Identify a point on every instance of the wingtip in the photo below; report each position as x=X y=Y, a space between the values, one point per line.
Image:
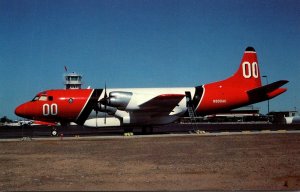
x=285 y=81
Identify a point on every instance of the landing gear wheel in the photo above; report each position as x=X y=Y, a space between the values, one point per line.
x=128 y=132
x=54 y=133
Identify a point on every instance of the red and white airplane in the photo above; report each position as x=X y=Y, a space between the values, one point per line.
x=151 y=106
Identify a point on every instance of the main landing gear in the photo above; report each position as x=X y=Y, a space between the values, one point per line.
x=128 y=132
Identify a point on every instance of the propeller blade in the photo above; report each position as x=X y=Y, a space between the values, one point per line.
x=96 y=118
x=105 y=93
x=106 y=102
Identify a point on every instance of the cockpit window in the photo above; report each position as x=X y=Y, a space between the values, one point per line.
x=35 y=98
x=43 y=98
x=50 y=98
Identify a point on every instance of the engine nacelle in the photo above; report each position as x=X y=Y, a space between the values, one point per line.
x=119 y=99
x=107 y=109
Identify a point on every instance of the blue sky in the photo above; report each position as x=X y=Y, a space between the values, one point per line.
x=128 y=43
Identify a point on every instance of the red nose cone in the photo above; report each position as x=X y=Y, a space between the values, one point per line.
x=21 y=111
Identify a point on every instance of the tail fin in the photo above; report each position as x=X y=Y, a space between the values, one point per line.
x=248 y=74
x=243 y=88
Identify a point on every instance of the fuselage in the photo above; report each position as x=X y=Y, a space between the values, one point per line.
x=79 y=106
x=152 y=106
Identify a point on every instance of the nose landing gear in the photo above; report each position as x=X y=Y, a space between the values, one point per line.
x=54 y=132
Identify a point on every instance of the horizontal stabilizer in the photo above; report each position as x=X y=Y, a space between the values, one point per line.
x=265 y=92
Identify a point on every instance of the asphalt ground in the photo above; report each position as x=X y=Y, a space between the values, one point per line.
x=71 y=131
x=161 y=162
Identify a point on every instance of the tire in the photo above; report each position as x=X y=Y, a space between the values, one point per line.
x=54 y=133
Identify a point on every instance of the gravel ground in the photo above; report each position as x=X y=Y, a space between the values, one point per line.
x=236 y=162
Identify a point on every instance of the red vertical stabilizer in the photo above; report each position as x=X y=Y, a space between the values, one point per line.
x=243 y=88
x=248 y=74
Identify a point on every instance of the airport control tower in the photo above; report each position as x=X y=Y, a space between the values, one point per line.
x=73 y=81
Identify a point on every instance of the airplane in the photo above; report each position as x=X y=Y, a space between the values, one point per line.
x=144 y=107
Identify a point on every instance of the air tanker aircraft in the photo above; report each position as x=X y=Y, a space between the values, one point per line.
x=144 y=107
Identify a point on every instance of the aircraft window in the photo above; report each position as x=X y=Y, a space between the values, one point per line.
x=43 y=98
x=35 y=98
x=50 y=98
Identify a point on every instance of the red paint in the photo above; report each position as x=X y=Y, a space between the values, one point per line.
x=232 y=92
x=43 y=123
x=65 y=106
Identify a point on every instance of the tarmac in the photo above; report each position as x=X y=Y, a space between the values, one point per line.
x=72 y=131
x=261 y=159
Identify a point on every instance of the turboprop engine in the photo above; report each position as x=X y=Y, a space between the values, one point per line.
x=114 y=104
x=116 y=99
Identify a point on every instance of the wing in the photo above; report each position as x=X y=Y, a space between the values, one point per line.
x=162 y=104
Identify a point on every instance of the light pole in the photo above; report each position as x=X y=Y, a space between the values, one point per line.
x=265 y=76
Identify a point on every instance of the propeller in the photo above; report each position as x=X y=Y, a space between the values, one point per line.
x=99 y=106
x=96 y=118
x=105 y=105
